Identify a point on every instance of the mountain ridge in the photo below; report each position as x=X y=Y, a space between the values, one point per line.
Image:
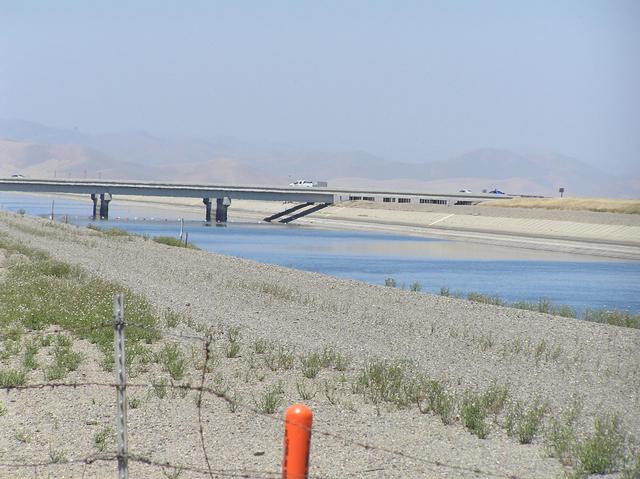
x=34 y=149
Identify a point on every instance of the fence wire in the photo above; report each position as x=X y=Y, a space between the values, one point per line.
x=420 y=463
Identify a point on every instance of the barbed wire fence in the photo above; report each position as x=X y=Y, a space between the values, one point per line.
x=422 y=465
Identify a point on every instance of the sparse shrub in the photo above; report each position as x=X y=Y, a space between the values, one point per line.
x=270 y=400
x=494 y=398
x=57 y=455
x=134 y=402
x=219 y=385
x=539 y=350
x=486 y=299
x=282 y=358
x=331 y=392
x=525 y=424
x=561 y=436
x=12 y=377
x=603 y=451
x=170 y=241
x=104 y=438
x=311 y=365
x=260 y=346
x=614 y=318
x=173 y=361
x=116 y=232
x=565 y=311
x=3 y=409
x=415 y=287
x=390 y=282
x=30 y=351
x=21 y=211
x=383 y=381
x=473 y=414
x=328 y=357
x=233 y=401
x=9 y=349
x=233 y=334
x=305 y=391
x=485 y=341
x=340 y=362
x=171 y=318
x=431 y=396
x=160 y=387
x=232 y=348
x=632 y=469
x=64 y=359
x=113 y=232
x=173 y=472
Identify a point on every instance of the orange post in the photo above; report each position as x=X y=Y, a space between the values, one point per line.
x=297 y=442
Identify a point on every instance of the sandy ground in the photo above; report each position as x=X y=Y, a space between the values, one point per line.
x=466 y=345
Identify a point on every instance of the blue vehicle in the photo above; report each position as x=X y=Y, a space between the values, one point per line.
x=496 y=192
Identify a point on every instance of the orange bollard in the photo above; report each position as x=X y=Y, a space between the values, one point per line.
x=297 y=442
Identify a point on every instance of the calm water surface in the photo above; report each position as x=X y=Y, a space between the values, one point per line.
x=513 y=274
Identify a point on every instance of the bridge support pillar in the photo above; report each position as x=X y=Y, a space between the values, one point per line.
x=105 y=198
x=94 y=198
x=222 y=205
x=207 y=214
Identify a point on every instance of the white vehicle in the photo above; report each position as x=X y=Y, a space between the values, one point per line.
x=302 y=184
x=464 y=191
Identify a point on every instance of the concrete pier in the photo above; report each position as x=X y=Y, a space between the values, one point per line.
x=207 y=204
x=105 y=198
x=94 y=199
x=222 y=205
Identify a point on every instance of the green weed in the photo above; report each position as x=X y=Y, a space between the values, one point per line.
x=603 y=451
x=260 y=346
x=160 y=387
x=383 y=381
x=282 y=358
x=64 y=359
x=170 y=241
x=311 y=365
x=12 y=378
x=104 y=439
x=173 y=360
x=473 y=414
x=305 y=391
x=271 y=399
x=30 y=352
x=524 y=424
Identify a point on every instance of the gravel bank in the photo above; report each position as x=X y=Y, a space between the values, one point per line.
x=467 y=345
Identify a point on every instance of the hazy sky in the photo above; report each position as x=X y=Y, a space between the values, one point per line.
x=405 y=80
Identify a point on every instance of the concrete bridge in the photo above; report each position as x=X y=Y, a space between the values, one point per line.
x=308 y=199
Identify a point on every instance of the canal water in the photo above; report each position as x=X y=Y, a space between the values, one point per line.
x=511 y=273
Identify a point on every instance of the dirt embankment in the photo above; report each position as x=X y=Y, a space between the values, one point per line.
x=381 y=355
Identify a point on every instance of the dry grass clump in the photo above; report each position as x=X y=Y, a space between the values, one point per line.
x=631 y=207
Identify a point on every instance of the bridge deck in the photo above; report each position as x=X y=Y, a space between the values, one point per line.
x=240 y=192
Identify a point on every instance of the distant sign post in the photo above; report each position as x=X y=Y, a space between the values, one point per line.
x=561 y=190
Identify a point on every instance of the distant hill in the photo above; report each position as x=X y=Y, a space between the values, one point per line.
x=38 y=150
